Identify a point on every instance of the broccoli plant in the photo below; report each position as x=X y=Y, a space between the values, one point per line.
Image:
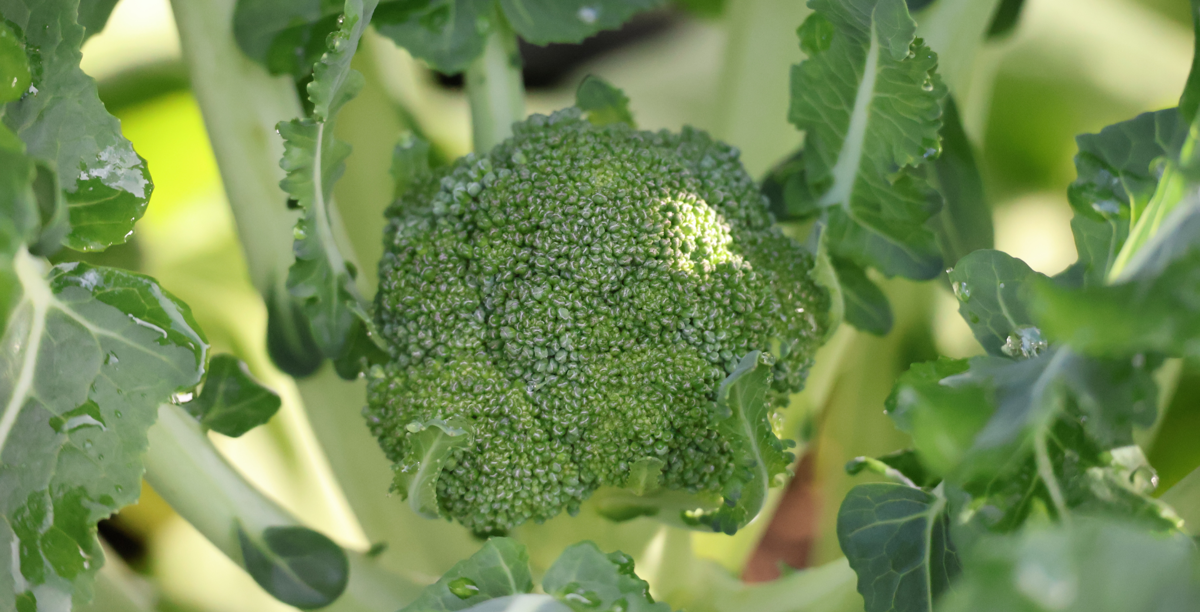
x=585 y=366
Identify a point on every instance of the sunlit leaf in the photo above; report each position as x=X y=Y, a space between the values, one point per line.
x=107 y=184
x=88 y=356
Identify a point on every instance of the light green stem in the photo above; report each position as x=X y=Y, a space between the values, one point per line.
x=494 y=87
x=241 y=105
x=753 y=91
x=191 y=475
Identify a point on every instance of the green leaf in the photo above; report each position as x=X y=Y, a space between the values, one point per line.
x=1147 y=314
x=446 y=34
x=760 y=458
x=94 y=14
x=499 y=569
x=1008 y=14
x=645 y=475
x=1089 y=566
x=290 y=341
x=867 y=307
x=430 y=446
x=897 y=539
x=232 y=402
x=410 y=161
x=870 y=106
x=1040 y=432
x=14 y=66
x=449 y=34
x=1117 y=176
x=296 y=565
x=586 y=579
x=942 y=419
x=88 y=356
x=313 y=159
x=990 y=287
x=603 y=103
x=521 y=603
x=903 y=466
x=285 y=36
x=107 y=184
x=542 y=22
x=965 y=221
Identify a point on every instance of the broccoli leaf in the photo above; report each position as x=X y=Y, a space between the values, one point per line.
x=1088 y=566
x=602 y=102
x=1116 y=178
x=106 y=182
x=897 y=539
x=94 y=14
x=1005 y=20
x=869 y=101
x=15 y=77
x=903 y=466
x=759 y=455
x=499 y=569
x=942 y=419
x=542 y=22
x=496 y=578
x=586 y=579
x=866 y=306
x=447 y=34
x=286 y=36
x=321 y=277
x=296 y=565
x=1036 y=431
x=430 y=446
x=1147 y=314
x=965 y=221
x=88 y=356
x=989 y=286
x=232 y=402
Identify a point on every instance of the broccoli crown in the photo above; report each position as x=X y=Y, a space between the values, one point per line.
x=576 y=296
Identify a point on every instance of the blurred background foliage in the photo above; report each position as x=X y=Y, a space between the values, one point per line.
x=1070 y=66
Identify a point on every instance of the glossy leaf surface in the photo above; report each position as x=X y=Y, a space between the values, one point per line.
x=897 y=539
x=232 y=402
x=88 y=356
x=869 y=100
x=499 y=569
x=296 y=565
x=107 y=184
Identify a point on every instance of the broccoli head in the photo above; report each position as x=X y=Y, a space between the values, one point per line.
x=565 y=308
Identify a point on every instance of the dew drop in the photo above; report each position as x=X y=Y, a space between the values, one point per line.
x=1024 y=342
x=962 y=291
x=463 y=588
x=588 y=14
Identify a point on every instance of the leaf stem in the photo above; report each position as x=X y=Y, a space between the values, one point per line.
x=191 y=475
x=1046 y=473
x=494 y=87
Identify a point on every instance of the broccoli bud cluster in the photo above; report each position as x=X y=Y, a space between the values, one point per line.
x=575 y=297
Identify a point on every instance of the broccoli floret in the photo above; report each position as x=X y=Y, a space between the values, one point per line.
x=575 y=297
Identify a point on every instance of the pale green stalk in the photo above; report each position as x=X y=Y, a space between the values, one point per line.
x=494 y=87
x=191 y=475
x=753 y=90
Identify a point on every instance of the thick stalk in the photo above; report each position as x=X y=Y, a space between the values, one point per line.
x=753 y=91
x=191 y=475
x=241 y=105
x=494 y=87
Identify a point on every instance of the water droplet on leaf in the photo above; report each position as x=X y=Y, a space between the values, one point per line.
x=463 y=588
x=962 y=291
x=1024 y=342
